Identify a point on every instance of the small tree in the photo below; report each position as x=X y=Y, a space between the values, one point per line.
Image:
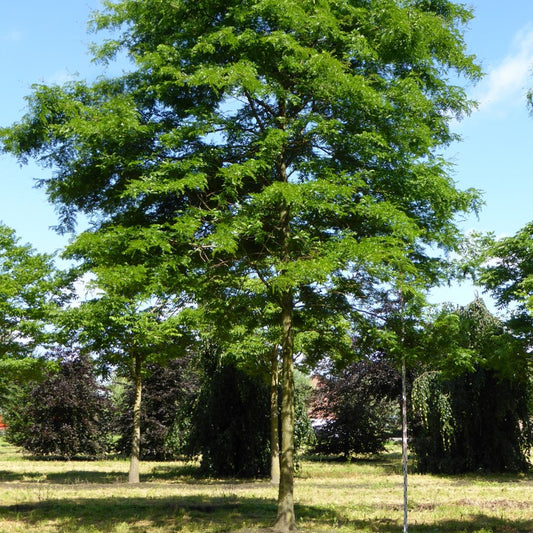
x=67 y=414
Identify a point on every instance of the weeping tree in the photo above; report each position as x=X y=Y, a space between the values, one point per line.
x=288 y=149
x=475 y=414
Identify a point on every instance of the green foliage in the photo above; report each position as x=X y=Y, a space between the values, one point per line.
x=509 y=272
x=357 y=408
x=475 y=416
x=67 y=414
x=230 y=427
x=331 y=110
x=29 y=297
x=304 y=436
x=432 y=407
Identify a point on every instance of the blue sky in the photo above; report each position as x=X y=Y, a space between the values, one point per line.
x=47 y=42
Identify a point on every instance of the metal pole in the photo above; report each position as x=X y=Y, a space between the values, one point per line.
x=404 y=443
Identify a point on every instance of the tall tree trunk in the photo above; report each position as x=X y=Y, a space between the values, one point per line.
x=134 y=476
x=274 y=418
x=285 y=520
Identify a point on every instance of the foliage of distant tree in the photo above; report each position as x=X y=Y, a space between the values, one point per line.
x=479 y=417
x=167 y=392
x=304 y=436
x=507 y=273
x=358 y=408
x=29 y=298
x=67 y=414
x=230 y=428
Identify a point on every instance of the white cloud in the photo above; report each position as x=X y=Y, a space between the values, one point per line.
x=508 y=82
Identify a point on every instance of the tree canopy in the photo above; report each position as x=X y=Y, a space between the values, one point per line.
x=287 y=150
x=30 y=295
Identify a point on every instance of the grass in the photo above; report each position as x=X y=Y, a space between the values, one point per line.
x=362 y=496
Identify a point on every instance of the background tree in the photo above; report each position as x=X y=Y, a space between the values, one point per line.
x=67 y=414
x=358 y=408
x=507 y=273
x=477 y=417
x=167 y=395
x=30 y=295
x=292 y=144
x=230 y=428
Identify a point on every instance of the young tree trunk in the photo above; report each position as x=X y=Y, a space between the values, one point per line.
x=285 y=520
x=134 y=476
x=274 y=418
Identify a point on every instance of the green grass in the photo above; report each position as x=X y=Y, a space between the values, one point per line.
x=362 y=496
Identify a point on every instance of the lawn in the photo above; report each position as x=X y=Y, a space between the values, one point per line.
x=362 y=496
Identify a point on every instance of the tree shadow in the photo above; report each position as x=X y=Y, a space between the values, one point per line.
x=64 y=478
x=184 y=474
x=191 y=473
x=218 y=514
x=387 y=462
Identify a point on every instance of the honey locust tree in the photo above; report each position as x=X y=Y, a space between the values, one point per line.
x=285 y=148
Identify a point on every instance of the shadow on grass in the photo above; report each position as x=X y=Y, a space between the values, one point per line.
x=69 y=477
x=184 y=474
x=217 y=514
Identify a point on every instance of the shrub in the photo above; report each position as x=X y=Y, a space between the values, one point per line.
x=230 y=426
x=66 y=414
x=356 y=409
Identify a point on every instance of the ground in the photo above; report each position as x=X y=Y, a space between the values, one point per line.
x=364 y=496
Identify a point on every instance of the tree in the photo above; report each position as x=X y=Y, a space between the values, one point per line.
x=293 y=145
x=30 y=295
x=507 y=273
x=476 y=416
x=230 y=427
x=67 y=414
x=358 y=408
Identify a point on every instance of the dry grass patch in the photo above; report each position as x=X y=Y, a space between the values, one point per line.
x=363 y=496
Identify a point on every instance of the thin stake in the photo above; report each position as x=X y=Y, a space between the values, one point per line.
x=404 y=443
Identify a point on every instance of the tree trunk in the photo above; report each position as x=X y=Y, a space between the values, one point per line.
x=285 y=520
x=274 y=418
x=134 y=476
